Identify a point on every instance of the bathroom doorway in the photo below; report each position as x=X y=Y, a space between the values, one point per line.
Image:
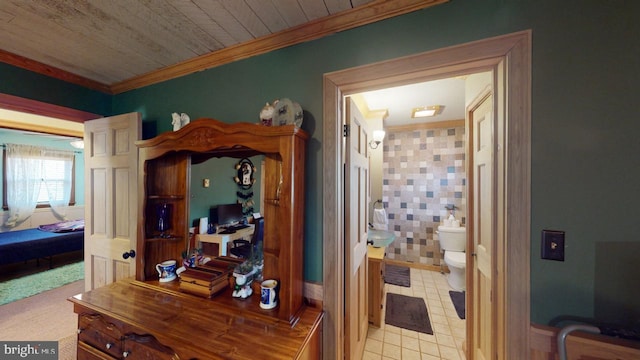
x=423 y=171
x=510 y=339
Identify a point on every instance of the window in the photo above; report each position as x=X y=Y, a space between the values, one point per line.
x=54 y=186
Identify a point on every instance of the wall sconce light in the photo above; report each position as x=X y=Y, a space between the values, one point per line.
x=378 y=135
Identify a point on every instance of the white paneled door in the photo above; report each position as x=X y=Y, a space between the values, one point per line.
x=111 y=183
x=357 y=194
x=484 y=188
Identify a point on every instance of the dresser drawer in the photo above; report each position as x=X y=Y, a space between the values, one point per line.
x=100 y=333
x=146 y=347
x=87 y=352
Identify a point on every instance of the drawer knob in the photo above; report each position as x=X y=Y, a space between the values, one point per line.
x=126 y=354
x=79 y=331
x=109 y=345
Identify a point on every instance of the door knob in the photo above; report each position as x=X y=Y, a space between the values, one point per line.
x=370 y=242
x=130 y=254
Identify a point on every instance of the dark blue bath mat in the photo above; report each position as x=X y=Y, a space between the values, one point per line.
x=397 y=275
x=457 y=297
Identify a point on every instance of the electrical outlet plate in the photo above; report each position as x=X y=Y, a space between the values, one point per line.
x=552 y=245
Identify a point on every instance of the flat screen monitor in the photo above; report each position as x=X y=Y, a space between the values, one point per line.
x=229 y=214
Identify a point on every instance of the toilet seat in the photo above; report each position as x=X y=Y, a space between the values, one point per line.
x=455 y=258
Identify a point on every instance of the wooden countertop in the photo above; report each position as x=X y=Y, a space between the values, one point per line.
x=375 y=252
x=206 y=324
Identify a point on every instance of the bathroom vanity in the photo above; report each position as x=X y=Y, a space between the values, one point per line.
x=376 y=250
x=375 y=283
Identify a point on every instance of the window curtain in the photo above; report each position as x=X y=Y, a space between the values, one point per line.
x=24 y=174
x=59 y=182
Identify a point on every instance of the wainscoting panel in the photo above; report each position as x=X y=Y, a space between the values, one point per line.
x=580 y=346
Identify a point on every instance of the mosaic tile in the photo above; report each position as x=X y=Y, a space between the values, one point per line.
x=423 y=170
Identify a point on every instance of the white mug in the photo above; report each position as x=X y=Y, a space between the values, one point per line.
x=204 y=225
x=268 y=294
x=166 y=270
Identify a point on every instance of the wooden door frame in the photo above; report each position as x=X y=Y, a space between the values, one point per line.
x=514 y=51
x=29 y=106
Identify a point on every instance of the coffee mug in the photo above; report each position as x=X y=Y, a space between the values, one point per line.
x=268 y=297
x=166 y=270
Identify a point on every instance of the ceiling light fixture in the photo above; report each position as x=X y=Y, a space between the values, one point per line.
x=78 y=144
x=426 y=111
x=378 y=136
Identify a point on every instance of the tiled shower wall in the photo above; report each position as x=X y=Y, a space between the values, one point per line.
x=423 y=171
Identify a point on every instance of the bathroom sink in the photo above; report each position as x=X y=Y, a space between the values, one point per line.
x=381 y=238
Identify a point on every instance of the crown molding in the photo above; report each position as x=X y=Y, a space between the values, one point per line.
x=54 y=72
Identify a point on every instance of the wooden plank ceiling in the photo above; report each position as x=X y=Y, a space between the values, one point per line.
x=119 y=45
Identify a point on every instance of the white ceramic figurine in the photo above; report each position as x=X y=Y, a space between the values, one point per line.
x=176 y=121
x=266 y=115
x=184 y=119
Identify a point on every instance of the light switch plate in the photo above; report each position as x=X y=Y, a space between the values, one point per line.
x=552 y=245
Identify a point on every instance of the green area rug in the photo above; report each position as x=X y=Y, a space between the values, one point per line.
x=33 y=284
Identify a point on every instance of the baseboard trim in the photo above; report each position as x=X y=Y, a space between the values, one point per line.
x=417 y=265
x=314 y=293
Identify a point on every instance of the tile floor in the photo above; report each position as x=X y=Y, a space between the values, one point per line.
x=390 y=342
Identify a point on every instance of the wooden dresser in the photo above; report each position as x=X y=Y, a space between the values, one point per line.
x=129 y=319
x=146 y=319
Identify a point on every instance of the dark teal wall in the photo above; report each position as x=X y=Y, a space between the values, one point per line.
x=585 y=75
x=584 y=118
x=19 y=82
x=585 y=163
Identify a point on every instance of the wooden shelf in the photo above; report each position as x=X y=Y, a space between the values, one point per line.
x=274 y=202
x=154 y=239
x=223 y=298
x=165 y=197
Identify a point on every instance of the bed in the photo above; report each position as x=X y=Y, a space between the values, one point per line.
x=43 y=242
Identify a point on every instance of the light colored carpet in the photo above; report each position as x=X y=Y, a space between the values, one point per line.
x=47 y=316
x=67 y=348
x=29 y=285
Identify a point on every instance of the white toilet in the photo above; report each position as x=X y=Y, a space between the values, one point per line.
x=453 y=241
